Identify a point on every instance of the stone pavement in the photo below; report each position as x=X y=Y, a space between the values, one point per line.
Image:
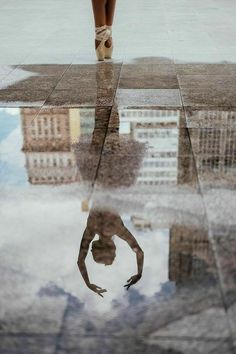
x=142 y=147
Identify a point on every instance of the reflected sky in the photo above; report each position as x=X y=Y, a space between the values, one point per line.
x=50 y=219
x=12 y=169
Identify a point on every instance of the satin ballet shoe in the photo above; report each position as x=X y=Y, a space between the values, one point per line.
x=108 y=50
x=102 y=35
x=100 y=52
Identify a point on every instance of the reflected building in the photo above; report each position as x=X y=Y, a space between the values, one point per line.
x=215 y=149
x=159 y=130
x=167 y=161
x=49 y=137
x=215 y=118
x=48 y=143
x=190 y=253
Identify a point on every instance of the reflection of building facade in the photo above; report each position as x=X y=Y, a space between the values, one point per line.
x=190 y=253
x=48 y=143
x=215 y=149
x=166 y=162
x=215 y=118
x=158 y=129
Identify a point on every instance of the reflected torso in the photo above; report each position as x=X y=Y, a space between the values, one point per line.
x=104 y=223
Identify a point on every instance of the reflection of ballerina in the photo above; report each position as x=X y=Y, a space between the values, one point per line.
x=120 y=163
x=106 y=224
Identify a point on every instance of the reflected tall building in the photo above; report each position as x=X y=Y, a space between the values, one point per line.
x=215 y=149
x=159 y=130
x=167 y=161
x=190 y=253
x=48 y=143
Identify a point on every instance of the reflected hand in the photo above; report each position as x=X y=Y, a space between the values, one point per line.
x=133 y=280
x=97 y=289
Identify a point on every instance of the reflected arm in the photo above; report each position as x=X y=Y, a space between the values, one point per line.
x=84 y=247
x=126 y=235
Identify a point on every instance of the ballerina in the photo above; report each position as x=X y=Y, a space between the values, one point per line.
x=103 y=11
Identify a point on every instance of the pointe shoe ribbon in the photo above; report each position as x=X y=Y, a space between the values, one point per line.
x=101 y=34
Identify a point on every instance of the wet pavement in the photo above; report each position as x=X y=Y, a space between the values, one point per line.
x=129 y=164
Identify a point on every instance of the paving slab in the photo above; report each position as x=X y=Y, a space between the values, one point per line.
x=148 y=97
x=152 y=76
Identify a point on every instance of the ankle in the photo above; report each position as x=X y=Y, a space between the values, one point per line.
x=109 y=30
x=101 y=34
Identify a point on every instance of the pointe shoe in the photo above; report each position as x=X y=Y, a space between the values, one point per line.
x=102 y=35
x=100 y=52
x=108 y=50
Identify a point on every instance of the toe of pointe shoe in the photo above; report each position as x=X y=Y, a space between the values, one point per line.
x=100 y=58
x=100 y=52
x=100 y=55
x=108 y=52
